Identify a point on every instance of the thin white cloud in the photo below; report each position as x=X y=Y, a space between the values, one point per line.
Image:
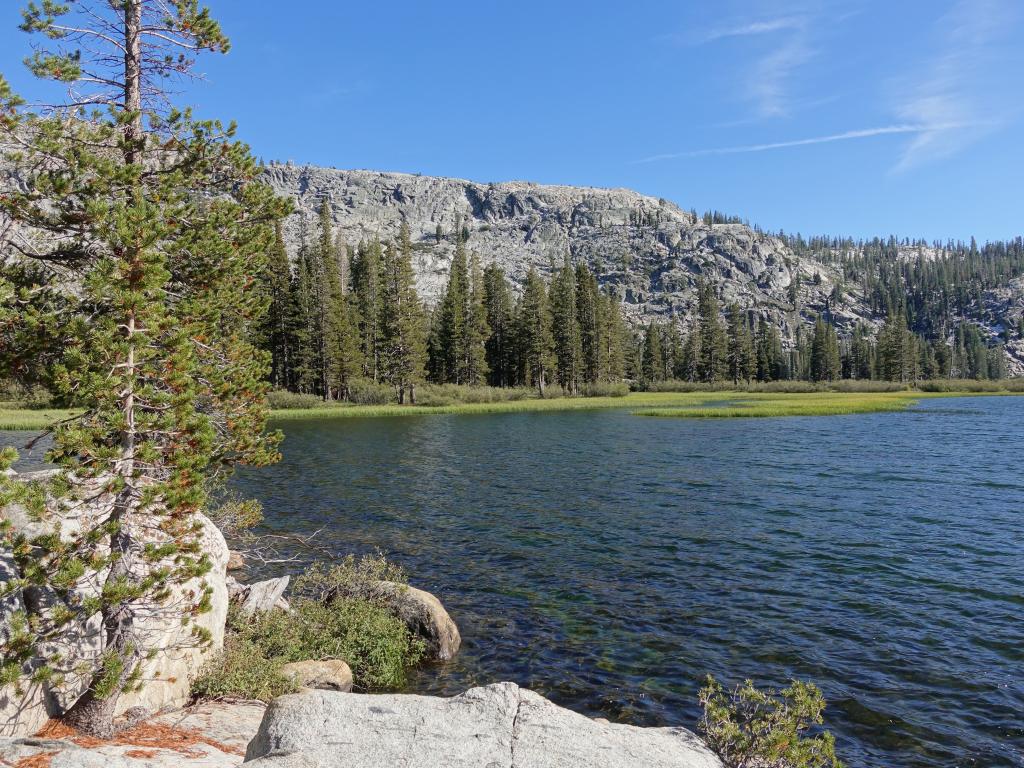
x=865 y=133
x=769 y=81
x=747 y=29
x=954 y=89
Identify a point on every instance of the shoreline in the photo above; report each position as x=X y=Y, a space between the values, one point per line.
x=725 y=404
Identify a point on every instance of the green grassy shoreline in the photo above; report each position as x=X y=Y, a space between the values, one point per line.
x=700 y=405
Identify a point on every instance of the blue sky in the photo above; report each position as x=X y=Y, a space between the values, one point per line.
x=857 y=117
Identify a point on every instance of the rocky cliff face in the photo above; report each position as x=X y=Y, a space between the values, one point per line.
x=648 y=249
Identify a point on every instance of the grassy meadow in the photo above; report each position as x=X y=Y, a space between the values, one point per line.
x=707 y=404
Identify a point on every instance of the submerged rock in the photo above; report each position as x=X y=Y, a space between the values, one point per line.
x=497 y=726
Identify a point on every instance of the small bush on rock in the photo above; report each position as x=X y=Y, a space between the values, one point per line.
x=242 y=671
x=750 y=728
x=322 y=583
x=322 y=624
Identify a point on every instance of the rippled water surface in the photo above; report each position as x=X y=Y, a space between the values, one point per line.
x=611 y=561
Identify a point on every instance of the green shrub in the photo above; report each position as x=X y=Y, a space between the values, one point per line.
x=241 y=671
x=972 y=385
x=374 y=643
x=605 y=389
x=454 y=394
x=320 y=582
x=34 y=397
x=323 y=624
x=749 y=728
x=283 y=400
x=370 y=392
x=867 y=385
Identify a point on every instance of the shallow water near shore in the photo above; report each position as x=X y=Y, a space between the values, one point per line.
x=610 y=561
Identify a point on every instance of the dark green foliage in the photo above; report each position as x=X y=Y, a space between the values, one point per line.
x=565 y=328
x=277 y=332
x=477 y=328
x=741 y=361
x=500 y=345
x=322 y=624
x=712 y=363
x=536 y=343
x=750 y=728
x=589 y=320
x=652 y=367
x=148 y=313
x=366 y=285
x=448 y=350
x=403 y=340
x=824 y=361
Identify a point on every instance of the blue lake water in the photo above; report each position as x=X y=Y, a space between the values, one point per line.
x=611 y=561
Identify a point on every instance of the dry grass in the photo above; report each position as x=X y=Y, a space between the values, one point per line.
x=145 y=736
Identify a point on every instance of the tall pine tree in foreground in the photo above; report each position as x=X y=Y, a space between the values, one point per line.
x=153 y=226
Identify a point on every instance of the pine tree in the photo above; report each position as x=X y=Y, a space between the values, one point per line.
x=740 y=349
x=824 y=355
x=653 y=362
x=307 y=333
x=477 y=329
x=329 y=314
x=534 y=332
x=449 y=347
x=673 y=349
x=861 y=355
x=614 y=337
x=763 y=351
x=895 y=349
x=712 y=335
x=588 y=317
x=342 y=347
x=692 y=356
x=366 y=285
x=402 y=326
x=500 y=345
x=277 y=331
x=566 y=329
x=163 y=286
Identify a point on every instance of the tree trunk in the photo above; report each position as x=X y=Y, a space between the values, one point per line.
x=93 y=713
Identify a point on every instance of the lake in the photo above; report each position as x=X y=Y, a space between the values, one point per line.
x=610 y=561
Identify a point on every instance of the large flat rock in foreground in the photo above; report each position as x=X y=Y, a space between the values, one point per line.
x=497 y=726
